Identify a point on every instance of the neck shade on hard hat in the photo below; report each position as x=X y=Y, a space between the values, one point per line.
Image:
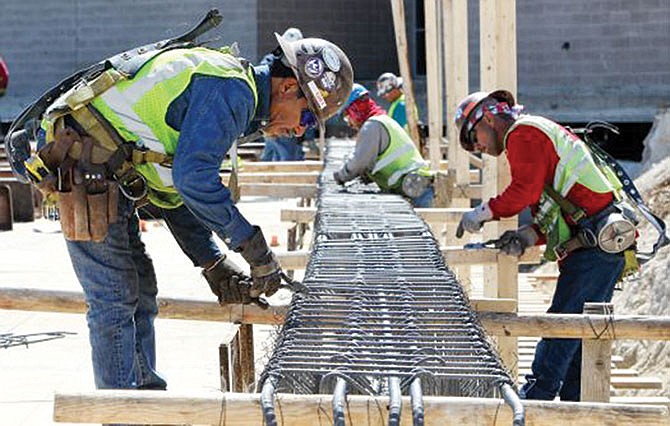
x=323 y=72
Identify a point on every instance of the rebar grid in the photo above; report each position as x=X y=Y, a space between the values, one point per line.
x=384 y=314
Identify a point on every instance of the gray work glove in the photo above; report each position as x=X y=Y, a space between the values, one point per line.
x=473 y=220
x=228 y=282
x=265 y=269
x=338 y=178
x=515 y=243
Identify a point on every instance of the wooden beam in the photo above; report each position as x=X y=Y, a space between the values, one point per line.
x=172 y=308
x=284 y=190
x=189 y=309
x=577 y=326
x=281 y=166
x=433 y=27
x=431 y=215
x=167 y=407
x=399 y=24
x=274 y=177
x=596 y=360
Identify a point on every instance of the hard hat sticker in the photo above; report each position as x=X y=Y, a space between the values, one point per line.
x=331 y=59
x=314 y=67
x=328 y=80
x=316 y=95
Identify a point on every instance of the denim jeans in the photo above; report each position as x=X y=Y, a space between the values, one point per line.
x=424 y=200
x=586 y=275
x=282 y=149
x=119 y=283
x=194 y=239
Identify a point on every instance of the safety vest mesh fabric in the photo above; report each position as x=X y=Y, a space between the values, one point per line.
x=399 y=158
x=137 y=108
x=575 y=165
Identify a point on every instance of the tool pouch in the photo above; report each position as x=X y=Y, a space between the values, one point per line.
x=86 y=216
x=87 y=200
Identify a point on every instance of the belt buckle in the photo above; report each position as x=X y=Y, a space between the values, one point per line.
x=560 y=252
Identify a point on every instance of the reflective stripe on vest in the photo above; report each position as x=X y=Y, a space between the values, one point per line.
x=399 y=158
x=137 y=108
x=575 y=165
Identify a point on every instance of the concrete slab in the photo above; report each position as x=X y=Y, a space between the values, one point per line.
x=34 y=256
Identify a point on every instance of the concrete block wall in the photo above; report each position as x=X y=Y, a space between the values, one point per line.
x=44 y=41
x=363 y=29
x=596 y=59
x=578 y=59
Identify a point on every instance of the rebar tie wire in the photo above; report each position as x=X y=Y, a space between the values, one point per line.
x=383 y=312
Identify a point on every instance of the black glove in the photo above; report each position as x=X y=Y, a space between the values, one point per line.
x=515 y=243
x=228 y=282
x=265 y=269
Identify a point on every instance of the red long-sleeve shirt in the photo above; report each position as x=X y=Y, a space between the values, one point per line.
x=532 y=160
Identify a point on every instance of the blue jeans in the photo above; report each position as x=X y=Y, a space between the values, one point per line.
x=424 y=200
x=119 y=283
x=194 y=239
x=586 y=275
x=282 y=149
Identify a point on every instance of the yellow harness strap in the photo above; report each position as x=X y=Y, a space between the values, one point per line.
x=83 y=94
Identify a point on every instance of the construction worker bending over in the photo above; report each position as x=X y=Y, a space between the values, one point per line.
x=384 y=152
x=158 y=121
x=554 y=173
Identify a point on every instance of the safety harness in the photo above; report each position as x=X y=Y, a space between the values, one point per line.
x=613 y=228
x=72 y=98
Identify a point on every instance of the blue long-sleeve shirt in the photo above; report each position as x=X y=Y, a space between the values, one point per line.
x=210 y=114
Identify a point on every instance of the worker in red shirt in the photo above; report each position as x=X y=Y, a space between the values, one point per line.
x=4 y=76
x=549 y=166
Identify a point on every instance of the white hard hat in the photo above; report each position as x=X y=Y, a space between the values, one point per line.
x=292 y=34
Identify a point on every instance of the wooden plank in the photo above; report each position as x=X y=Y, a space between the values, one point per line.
x=596 y=360
x=224 y=366
x=497 y=20
x=284 y=190
x=245 y=337
x=436 y=215
x=191 y=309
x=281 y=166
x=433 y=24
x=577 y=326
x=168 y=407
x=637 y=383
x=646 y=400
x=173 y=308
x=399 y=25
x=274 y=177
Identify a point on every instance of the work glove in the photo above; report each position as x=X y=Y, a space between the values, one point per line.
x=265 y=269
x=515 y=243
x=228 y=282
x=338 y=178
x=473 y=220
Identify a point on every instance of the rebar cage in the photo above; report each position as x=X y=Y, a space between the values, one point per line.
x=383 y=315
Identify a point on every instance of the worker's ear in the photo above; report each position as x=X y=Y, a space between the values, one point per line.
x=288 y=85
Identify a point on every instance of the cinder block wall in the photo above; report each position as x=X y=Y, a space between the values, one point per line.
x=363 y=29
x=44 y=41
x=580 y=60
